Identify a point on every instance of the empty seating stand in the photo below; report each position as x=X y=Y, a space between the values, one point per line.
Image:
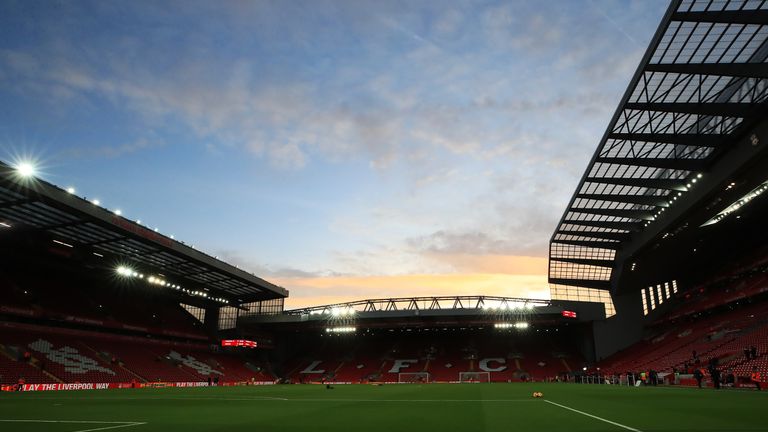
x=58 y=355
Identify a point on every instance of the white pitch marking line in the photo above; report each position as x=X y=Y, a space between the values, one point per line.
x=115 y=424
x=412 y=400
x=593 y=416
x=112 y=427
x=269 y=399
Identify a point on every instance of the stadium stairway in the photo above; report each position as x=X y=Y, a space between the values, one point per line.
x=566 y=365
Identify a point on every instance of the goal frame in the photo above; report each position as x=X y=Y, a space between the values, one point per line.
x=427 y=377
x=487 y=376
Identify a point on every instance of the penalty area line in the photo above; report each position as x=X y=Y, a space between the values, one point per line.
x=593 y=416
x=113 y=424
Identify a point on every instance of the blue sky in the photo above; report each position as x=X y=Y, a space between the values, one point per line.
x=342 y=149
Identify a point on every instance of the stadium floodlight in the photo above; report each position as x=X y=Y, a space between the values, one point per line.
x=125 y=271
x=341 y=329
x=118 y=212
x=71 y=190
x=96 y=202
x=741 y=202
x=26 y=169
x=521 y=325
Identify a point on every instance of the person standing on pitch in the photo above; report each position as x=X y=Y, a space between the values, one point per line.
x=756 y=377
x=715 y=374
x=698 y=375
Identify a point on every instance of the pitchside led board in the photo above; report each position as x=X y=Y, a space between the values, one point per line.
x=238 y=343
x=569 y=314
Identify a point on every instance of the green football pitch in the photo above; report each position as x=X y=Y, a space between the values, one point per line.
x=390 y=408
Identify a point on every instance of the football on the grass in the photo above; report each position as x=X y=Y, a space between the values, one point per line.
x=538 y=394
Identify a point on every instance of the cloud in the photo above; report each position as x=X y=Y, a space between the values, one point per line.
x=115 y=151
x=288 y=118
x=326 y=290
x=445 y=242
x=239 y=259
x=472 y=123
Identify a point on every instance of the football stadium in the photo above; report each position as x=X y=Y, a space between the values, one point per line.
x=657 y=318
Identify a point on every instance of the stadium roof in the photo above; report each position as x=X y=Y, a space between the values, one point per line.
x=427 y=310
x=428 y=303
x=29 y=204
x=699 y=91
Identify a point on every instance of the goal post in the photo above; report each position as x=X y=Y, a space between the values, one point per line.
x=413 y=377
x=474 y=377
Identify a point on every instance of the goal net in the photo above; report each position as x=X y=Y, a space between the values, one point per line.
x=413 y=377
x=474 y=377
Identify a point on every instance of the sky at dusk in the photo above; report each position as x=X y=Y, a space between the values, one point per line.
x=340 y=149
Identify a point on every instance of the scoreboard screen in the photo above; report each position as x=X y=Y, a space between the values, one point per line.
x=569 y=314
x=238 y=343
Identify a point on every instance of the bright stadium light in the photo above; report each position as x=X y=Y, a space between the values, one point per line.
x=71 y=190
x=96 y=202
x=118 y=212
x=340 y=329
x=26 y=169
x=5 y=225
x=125 y=271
